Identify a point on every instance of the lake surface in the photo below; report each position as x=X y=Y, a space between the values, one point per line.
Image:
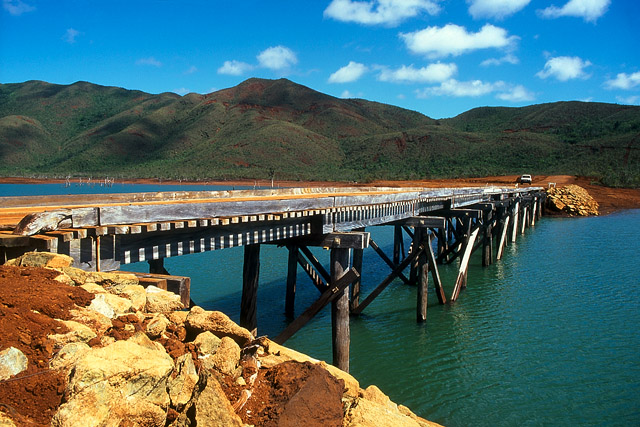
x=546 y=336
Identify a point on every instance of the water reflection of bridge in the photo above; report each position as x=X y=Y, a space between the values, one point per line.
x=104 y=232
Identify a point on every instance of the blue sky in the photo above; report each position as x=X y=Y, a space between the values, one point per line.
x=438 y=57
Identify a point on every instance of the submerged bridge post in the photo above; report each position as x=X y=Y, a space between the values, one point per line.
x=250 y=275
x=292 y=273
x=340 y=332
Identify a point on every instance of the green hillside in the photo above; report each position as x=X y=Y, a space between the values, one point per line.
x=276 y=127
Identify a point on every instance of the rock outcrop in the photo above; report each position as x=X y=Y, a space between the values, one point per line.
x=126 y=361
x=571 y=200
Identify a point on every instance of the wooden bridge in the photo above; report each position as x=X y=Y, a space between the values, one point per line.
x=107 y=231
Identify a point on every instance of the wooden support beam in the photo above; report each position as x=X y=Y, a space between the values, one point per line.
x=408 y=231
x=354 y=296
x=316 y=264
x=514 y=215
x=423 y=275
x=325 y=298
x=503 y=235
x=443 y=241
x=487 y=244
x=534 y=208
x=313 y=274
x=292 y=273
x=98 y=254
x=389 y=279
x=346 y=240
x=524 y=219
x=250 y=275
x=397 y=239
x=459 y=213
x=464 y=265
x=340 y=332
x=421 y=221
x=433 y=267
x=387 y=261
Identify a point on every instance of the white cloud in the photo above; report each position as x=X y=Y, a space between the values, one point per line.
x=516 y=94
x=453 y=87
x=191 y=70
x=149 y=61
x=476 y=88
x=507 y=59
x=498 y=9
x=16 y=7
x=629 y=100
x=277 y=58
x=624 y=81
x=379 y=12
x=71 y=35
x=181 y=91
x=349 y=73
x=346 y=94
x=234 y=68
x=564 y=68
x=437 y=72
x=454 y=40
x=589 y=10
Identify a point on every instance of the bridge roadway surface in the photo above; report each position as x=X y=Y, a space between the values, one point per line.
x=150 y=226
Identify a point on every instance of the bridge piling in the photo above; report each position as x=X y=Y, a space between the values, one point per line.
x=250 y=275
x=340 y=332
x=292 y=272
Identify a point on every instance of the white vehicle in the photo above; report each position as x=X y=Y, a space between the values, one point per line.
x=525 y=179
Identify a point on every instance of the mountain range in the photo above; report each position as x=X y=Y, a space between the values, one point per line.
x=265 y=128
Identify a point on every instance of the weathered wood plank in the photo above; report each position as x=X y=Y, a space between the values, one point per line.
x=423 y=275
x=422 y=221
x=13 y=240
x=158 y=212
x=354 y=296
x=43 y=221
x=315 y=277
x=316 y=264
x=514 y=226
x=464 y=265
x=349 y=240
x=503 y=235
x=433 y=267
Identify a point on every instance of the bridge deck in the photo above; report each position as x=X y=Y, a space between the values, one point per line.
x=145 y=226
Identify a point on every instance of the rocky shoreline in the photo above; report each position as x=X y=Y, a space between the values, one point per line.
x=571 y=200
x=99 y=349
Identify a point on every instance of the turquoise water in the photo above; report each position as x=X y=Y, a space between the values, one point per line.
x=98 y=188
x=546 y=336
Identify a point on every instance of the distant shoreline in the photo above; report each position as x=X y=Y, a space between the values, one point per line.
x=609 y=199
